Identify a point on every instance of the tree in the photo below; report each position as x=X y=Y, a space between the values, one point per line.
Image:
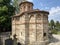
x=16 y=5
x=52 y=24
x=6 y=11
x=57 y=25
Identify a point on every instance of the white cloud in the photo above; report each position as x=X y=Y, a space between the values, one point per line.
x=54 y=13
x=55 y=10
x=30 y=0
x=46 y=8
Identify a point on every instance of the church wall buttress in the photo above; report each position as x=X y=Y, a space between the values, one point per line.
x=32 y=29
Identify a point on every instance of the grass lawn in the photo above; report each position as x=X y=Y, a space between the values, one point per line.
x=58 y=32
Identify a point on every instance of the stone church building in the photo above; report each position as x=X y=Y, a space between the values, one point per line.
x=30 y=26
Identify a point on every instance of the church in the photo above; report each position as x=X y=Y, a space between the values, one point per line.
x=30 y=26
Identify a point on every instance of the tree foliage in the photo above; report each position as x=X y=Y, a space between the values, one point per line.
x=6 y=11
x=54 y=26
x=16 y=5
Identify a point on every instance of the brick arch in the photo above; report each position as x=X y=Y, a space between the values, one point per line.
x=30 y=16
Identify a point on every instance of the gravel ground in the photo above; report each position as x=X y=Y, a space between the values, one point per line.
x=55 y=40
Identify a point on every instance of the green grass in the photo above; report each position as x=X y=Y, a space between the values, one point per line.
x=58 y=32
x=54 y=31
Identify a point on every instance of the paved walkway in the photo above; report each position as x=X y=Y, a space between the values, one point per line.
x=55 y=40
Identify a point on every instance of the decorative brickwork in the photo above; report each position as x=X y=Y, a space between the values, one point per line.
x=30 y=26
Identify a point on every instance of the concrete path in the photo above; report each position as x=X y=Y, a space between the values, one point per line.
x=55 y=40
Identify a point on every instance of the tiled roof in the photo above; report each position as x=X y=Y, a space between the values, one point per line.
x=31 y=11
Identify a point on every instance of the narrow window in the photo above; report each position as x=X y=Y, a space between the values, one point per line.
x=44 y=34
x=24 y=8
x=28 y=7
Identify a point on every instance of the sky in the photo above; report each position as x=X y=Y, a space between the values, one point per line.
x=53 y=6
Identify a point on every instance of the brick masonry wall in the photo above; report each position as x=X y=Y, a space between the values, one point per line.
x=30 y=28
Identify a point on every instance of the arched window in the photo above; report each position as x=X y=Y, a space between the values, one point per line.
x=39 y=17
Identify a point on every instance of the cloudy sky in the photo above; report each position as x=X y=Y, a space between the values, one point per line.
x=53 y=6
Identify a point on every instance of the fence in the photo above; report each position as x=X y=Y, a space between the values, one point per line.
x=5 y=38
